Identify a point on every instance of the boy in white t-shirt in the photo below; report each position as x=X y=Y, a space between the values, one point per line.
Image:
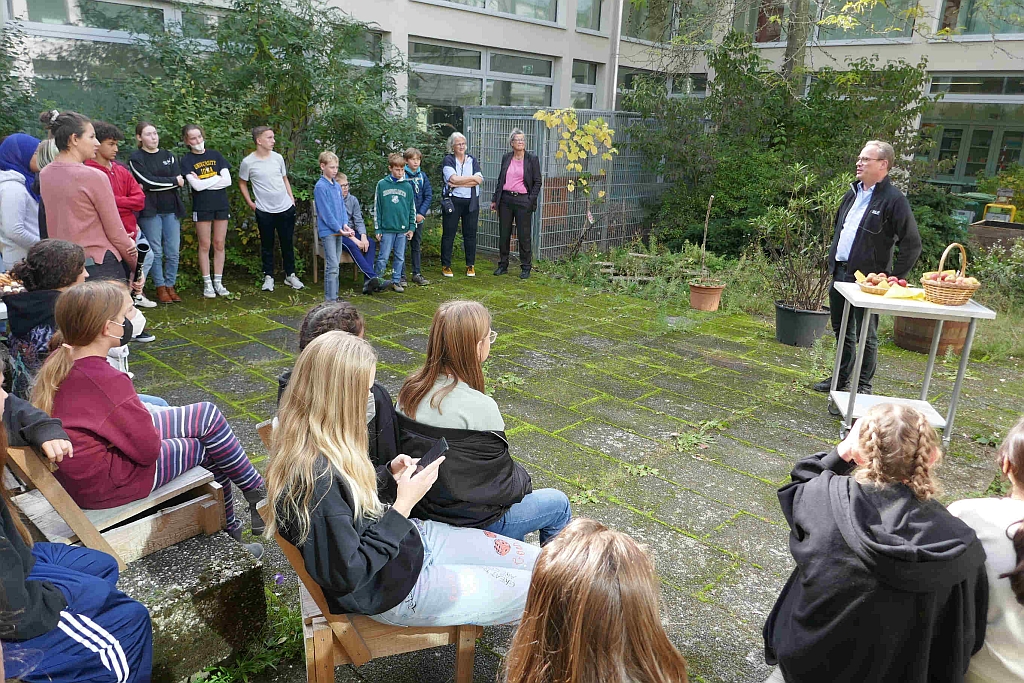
x=273 y=203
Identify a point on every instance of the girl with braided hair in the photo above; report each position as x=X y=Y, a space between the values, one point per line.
x=999 y=523
x=889 y=587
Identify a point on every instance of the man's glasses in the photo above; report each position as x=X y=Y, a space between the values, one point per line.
x=867 y=159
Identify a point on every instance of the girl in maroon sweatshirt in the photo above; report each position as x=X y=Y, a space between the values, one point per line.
x=122 y=452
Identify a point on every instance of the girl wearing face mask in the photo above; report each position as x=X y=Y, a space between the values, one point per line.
x=121 y=453
x=118 y=356
x=80 y=205
x=209 y=175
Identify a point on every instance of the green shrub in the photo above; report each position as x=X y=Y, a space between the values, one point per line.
x=1013 y=178
x=933 y=208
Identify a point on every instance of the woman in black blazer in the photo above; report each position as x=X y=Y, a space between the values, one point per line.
x=515 y=198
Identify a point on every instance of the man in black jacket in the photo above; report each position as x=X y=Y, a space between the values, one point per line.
x=873 y=217
x=515 y=198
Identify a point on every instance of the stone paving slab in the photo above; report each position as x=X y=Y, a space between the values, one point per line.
x=596 y=390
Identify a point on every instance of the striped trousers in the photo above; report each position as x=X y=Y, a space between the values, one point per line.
x=198 y=434
x=102 y=636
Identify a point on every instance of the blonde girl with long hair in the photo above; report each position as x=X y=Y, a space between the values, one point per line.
x=593 y=615
x=121 y=452
x=889 y=587
x=481 y=486
x=350 y=520
x=999 y=523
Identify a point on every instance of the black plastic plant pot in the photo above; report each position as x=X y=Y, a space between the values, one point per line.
x=797 y=327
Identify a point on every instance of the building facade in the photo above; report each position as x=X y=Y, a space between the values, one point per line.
x=561 y=53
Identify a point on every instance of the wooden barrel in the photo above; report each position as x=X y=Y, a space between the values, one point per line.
x=915 y=334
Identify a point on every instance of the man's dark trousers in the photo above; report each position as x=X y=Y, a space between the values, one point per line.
x=516 y=207
x=836 y=302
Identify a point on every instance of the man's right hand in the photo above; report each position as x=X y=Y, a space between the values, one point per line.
x=494 y=207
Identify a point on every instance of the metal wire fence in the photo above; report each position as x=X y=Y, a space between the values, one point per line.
x=565 y=218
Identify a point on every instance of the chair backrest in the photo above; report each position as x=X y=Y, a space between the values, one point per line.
x=35 y=471
x=297 y=563
x=265 y=430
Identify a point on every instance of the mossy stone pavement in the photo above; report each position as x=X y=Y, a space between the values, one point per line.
x=674 y=426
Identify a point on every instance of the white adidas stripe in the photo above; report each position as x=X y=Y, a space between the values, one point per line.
x=94 y=637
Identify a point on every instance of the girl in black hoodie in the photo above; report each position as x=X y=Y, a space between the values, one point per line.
x=50 y=267
x=889 y=587
x=64 y=621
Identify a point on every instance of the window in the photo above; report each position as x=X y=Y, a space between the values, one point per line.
x=446 y=78
x=114 y=16
x=588 y=14
x=652 y=21
x=1010 y=150
x=967 y=84
x=689 y=84
x=370 y=48
x=884 y=20
x=974 y=138
x=526 y=66
x=512 y=94
x=762 y=18
x=584 y=84
x=442 y=55
x=195 y=24
x=48 y=11
x=973 y=18
x=546 y=10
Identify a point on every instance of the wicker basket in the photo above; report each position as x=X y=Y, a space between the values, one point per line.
x=949 y=293
x=869 y=289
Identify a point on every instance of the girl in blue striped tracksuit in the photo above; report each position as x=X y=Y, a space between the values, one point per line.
x=62 y=619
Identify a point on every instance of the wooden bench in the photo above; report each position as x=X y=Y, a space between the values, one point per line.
x=60 y=520
x=332 y=640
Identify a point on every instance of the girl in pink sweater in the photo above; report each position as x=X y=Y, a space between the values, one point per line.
x=80 y=205
x=122 y=452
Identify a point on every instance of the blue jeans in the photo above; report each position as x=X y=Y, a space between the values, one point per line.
x=333 y=245
x=391 y=244
x=469 y=576
x=545 y=510
x=163 y=232
x=154 y=401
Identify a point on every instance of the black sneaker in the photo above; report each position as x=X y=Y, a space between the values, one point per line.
x=370 y=286
x=501 y=270
x=145 y=337
x=824 y=386
x=525 y=274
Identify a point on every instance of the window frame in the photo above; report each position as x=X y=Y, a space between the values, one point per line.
x=559 y=21
x=584 y=88
x=939 y=11
x=977 y=98
x=485 y=75
x=958 y=174
x=75 y=30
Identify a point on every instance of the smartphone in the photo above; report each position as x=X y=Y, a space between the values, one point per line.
x=439 y=449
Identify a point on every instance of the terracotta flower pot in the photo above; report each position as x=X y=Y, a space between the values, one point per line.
x=705 y=297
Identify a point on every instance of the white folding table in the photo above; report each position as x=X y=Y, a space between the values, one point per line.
x=851 y=406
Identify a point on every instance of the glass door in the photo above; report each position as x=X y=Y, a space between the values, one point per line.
x=979 y=152
x=1010 y=149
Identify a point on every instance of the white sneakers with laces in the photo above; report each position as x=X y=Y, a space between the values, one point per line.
x=293 y=282
x=208 y=291
x=268 y=283
x=221 y=289
x=142 y=302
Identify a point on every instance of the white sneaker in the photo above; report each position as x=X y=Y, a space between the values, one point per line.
x=268 y=283
x=142 y=302
x=221 y=289
x=208 y=291
x=293 y=282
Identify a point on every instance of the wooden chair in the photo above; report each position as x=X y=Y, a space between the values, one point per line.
x=335 y=639
x=56 y=515
x=343 y=258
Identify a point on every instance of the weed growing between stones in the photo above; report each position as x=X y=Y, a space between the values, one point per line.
x=700 y=438
x=640 y=471
x=281 y=644
x=584 y=497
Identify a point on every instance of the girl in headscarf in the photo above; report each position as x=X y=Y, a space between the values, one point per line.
x=19 y=204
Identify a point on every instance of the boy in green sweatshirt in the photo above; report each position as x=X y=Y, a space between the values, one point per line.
x=394 y=219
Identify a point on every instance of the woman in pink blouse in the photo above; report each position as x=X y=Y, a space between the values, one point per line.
x=515 y=199
x=80 y=205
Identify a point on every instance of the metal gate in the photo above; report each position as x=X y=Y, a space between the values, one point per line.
x=562 y=216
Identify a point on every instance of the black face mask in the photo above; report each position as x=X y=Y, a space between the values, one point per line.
x=126 y=332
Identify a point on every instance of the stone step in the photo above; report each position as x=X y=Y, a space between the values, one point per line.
x=205 y=596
